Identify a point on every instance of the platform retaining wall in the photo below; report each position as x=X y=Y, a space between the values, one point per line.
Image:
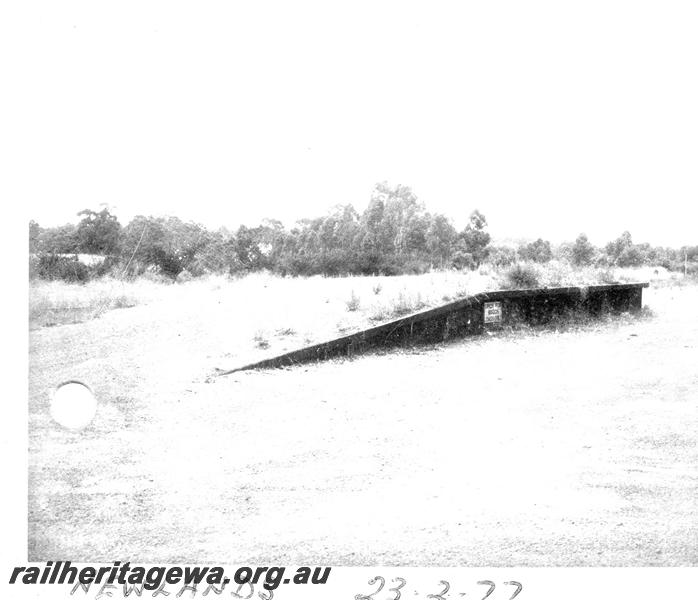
x=470 y=316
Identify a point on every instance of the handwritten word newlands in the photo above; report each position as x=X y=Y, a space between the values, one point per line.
x=240 y=592
x=154 y=578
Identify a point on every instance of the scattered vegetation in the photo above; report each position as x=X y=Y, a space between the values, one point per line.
x=104 y=265
x=394 y=235
x=260 y=340
x=403 y=304
x=313 y=309
x=406 y=303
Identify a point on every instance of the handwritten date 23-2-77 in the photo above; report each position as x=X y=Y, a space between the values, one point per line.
x=394 y=592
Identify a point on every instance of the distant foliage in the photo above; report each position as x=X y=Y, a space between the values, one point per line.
x=463 y=260
x=538 y=251
x=98 y=233
x=474 y=240
x=394 y=235
x=582 y=251
x=54 y=240
x=501 y=256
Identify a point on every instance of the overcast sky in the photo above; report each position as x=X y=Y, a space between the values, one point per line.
x=552 y=118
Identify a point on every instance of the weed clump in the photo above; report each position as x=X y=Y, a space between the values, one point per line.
x=354 y=302
x=260 y=340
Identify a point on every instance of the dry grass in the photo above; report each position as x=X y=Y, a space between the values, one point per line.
x=57 y=303
x=292 y=312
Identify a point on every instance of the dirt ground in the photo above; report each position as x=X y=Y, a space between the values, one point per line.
x=536 y=448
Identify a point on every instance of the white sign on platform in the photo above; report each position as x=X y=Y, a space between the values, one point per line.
x=493 y=312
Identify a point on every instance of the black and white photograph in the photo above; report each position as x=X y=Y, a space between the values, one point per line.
x=399 y=285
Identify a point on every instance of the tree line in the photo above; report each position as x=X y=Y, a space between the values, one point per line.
x=395 y=234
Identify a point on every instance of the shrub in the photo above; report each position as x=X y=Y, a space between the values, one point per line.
x=58 y=267
x=413 y=266
x=463 y=260
x=522 y=276
x=501 y=256
x=353 y=303
x=391 y=268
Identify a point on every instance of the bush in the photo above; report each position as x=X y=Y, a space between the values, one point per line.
x=501 y=256
x=463 y=260
x=414 y=266
x=58 y=267
x=522 y=276
x=107 y=267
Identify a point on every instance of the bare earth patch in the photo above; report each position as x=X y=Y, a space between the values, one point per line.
x=534 y=448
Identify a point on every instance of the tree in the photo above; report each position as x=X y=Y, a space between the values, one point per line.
x=439 y=238
x=538 y=251
x=582 y=251
x=616 y=248
x=98 y=232
x=395 y=220
x=217 y=254
x=631 y=257
x=247 y=248
x=58 y=240
x=165 y=242
x=34 y=233
x=624 y=253
x=474 y=240
x=416 y=231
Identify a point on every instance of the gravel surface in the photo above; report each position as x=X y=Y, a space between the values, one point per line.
x=538 y=448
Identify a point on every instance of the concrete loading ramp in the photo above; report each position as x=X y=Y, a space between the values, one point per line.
x=469 y=316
